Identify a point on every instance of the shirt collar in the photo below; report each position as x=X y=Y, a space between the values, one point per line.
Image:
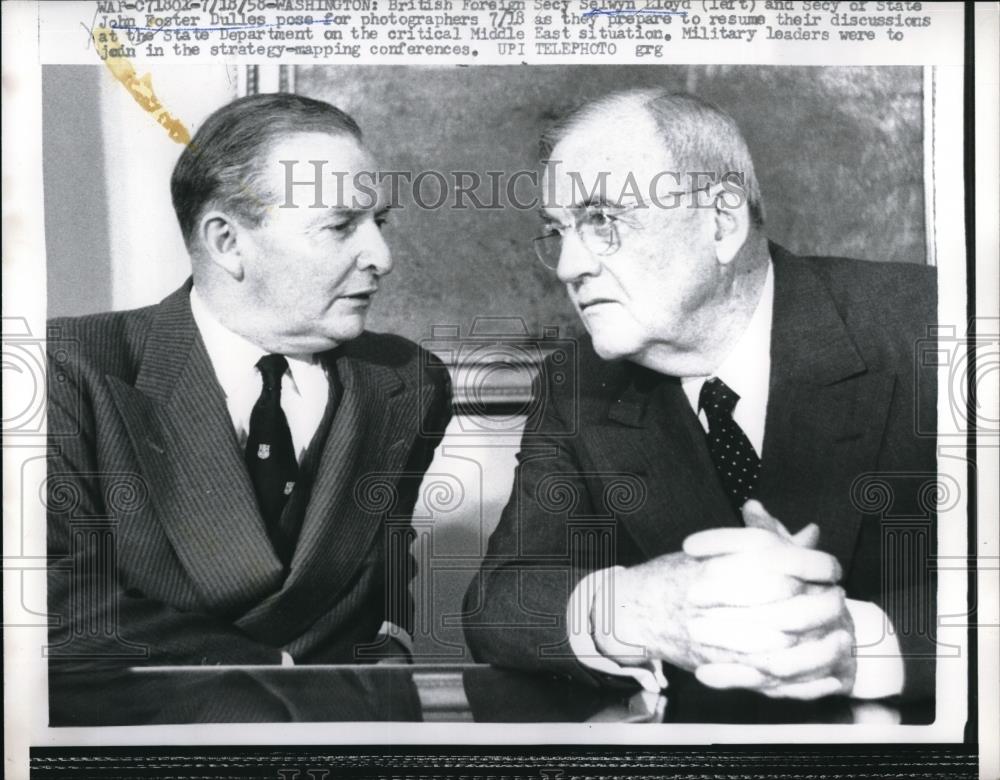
x=747 y=367
x=233 y=357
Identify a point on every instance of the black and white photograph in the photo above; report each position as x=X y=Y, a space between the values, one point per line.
x=561 y=403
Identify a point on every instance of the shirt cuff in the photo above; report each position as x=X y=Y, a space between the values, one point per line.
x=286 y=659
x=393 y=631
x=880 y=668
x=587 y=605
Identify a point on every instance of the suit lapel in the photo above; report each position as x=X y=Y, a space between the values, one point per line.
x=826 y=411
x=357 y=439
x=650 y=431
x=178 y=422
x=371 y=434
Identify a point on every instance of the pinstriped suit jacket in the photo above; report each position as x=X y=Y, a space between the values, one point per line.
x=158 y=553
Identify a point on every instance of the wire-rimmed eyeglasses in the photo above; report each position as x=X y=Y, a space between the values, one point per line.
x=596 y=227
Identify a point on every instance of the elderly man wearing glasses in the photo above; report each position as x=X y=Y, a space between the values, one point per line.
x=690 y=502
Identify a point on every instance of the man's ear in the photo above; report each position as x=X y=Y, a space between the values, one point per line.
x=220 y=236
x=732 y=224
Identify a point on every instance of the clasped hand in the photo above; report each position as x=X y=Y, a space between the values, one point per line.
x=752 y=607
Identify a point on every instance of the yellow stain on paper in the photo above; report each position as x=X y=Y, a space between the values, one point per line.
x=140 y=88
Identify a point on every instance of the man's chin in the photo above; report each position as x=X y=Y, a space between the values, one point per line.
x=323 y=339
x=608 y=347
x=345 y=327
x=343 y=334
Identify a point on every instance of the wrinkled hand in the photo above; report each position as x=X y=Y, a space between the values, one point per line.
x=691 y=608
x=817 y=658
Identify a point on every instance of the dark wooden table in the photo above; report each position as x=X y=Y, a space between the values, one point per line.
x=429 y=693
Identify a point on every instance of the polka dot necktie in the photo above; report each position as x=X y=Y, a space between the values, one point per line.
x=270 y=454
x=735 y=459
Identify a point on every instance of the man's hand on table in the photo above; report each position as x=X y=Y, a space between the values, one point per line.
x=751 y=607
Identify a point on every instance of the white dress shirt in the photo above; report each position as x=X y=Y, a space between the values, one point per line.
x=305 y=388
x=747 y=370
x=305 y=392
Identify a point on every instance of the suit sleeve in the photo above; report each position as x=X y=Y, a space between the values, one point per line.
x=94 y=621
x=435 y=379
x=515 y=609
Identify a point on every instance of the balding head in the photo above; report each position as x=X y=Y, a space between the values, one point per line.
x=697 y=137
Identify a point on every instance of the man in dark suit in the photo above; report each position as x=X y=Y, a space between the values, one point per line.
x=706 y=496
x=245 y=456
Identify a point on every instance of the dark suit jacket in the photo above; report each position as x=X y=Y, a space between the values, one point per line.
x=615 y=469
x=158 y=553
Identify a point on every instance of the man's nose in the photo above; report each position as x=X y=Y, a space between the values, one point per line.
x=575 y=260
x=373 y=253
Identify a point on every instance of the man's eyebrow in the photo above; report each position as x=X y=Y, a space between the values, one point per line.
x=355 y=213
x=589 y=203
x=596 y=202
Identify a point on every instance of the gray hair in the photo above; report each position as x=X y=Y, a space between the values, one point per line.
x=698 y=135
